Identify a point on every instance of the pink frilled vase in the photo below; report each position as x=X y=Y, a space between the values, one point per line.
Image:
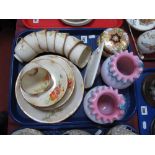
x=104 y=105
x=121 y=70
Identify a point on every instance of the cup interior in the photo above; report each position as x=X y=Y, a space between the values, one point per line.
x=36 y=80
x=107 y=104
x=83 y=60
x=126 y=65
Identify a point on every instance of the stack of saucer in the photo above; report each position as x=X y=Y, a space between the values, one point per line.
x=49 y=89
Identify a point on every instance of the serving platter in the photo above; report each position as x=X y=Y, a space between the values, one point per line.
x=78 y=119
x=57 y=23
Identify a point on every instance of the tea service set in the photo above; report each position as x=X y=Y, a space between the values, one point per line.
x=50 y=87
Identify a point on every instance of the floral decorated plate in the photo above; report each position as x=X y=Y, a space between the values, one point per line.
x=57 y=90
x=70 y=75
x=58 y=114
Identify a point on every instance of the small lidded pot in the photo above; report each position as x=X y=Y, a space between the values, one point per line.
x=146 y=42
x=104 y=105
x=121 y=70
x=115 y=40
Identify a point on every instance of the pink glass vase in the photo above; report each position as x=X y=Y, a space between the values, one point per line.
x=121 y=70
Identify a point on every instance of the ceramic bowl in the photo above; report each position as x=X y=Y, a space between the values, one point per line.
x=76 y=22
x=70 y=75
x=56 y=115
x=23 y=52
x=70 y=43
x=32 y=41
x=80 y=55
x=60 y=39
x=51 y=40
x=141 y=24
x=104 y=105
x=146 y=42
x=41 y=36
x=57 y=90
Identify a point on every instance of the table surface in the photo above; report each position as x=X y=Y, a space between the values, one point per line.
x=6 y=39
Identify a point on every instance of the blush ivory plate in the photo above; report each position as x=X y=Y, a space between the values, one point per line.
x=59 y=114
x=136 y=24
x=146 y=42
x=60 y=84
x=93 y=66
x=70 y=75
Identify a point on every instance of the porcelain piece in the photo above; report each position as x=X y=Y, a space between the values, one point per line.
x=41 y=36
x=27 y=131
x=121 y=70
x=70 y=43
x=70 y=75
x=51 y=40
x=115 y=40
x=60 y=42
x=148 y=89
x=23 y=52
x=32 y=41
x=146 y=42
x=56 y=115
x=36 y=80
x=80 y=55
x=141 y=24
x=76 y=22
x=103 y=105
x=93 y=66
x=58 y=89
x=121 y=130
x=76 y=132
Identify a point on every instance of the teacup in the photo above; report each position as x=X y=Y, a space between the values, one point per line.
x=32 y=41
x=51 y=40
x=80 y=55
x=41 y=36
x=70 y=43
x=23 y=52
x=36 y=80
x=60 y=39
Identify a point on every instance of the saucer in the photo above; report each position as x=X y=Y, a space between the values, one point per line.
x=70 y=75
